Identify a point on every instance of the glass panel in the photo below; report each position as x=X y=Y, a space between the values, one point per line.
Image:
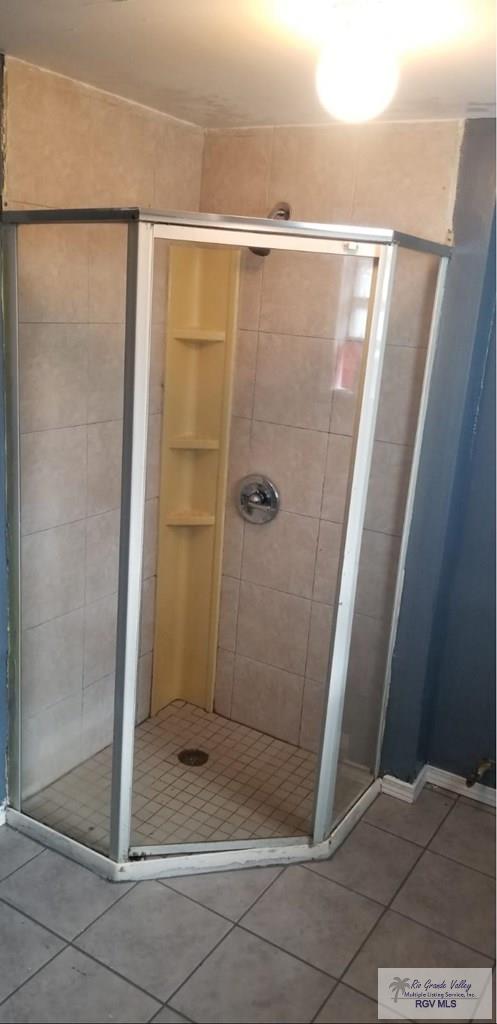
x=71 y=349
x=405 y=356
x=248 y=691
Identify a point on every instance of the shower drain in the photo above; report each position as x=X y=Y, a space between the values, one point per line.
x=193 y=757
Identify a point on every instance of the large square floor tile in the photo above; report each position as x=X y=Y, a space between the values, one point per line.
x=314 y=918
x=396 y=942
x=15 y=850
x=371 y=862
x=230 y=893
x=74 y=988
x=246 y=980
x=154 y=937
x=59 y=893
x=468 y=835
x=345 y=1006
x=452 y=899
x=24 y=948
x=168 y=1016
x=416 y=822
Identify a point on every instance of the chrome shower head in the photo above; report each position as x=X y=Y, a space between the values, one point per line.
x=281 y=211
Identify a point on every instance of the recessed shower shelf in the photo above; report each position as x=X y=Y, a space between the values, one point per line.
x=191 y=443
x=199 y=335
x=190 y=519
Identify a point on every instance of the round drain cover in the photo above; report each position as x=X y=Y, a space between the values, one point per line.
x=193 y=757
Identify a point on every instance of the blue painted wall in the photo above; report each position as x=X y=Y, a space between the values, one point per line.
x=459 y=723
x=409 y=735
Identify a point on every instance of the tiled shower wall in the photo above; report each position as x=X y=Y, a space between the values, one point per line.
x=279 y=580
x=68 y=145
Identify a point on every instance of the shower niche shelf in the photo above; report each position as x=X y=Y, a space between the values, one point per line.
x=203 y=291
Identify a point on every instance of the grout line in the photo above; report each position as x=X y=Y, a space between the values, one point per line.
x=34 y=973
x=199 y=965
x=178 y=892
x=461 y=863
x=28 y=861
x=293 y=955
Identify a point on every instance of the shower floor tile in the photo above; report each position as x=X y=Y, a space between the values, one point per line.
x=252 y=786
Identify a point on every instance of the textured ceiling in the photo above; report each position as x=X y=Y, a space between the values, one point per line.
x=229 y=63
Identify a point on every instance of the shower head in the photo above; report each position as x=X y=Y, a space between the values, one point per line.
x=279 y=212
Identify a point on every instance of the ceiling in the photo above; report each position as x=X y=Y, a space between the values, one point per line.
x=230 y=63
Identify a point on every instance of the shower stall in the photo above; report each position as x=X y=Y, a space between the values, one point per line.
x=213 y=432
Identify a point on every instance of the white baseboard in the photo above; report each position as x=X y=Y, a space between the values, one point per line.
x=409 y=791
x=3 y=813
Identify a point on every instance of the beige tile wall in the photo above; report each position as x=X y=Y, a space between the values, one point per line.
x=293 y=422
x=68 y=145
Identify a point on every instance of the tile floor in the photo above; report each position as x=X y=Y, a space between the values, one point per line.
x=251 y=786
x=292 y=944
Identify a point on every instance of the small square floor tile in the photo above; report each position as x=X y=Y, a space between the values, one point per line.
x=75 y=988
x=59 y=893
x=247 y=980
x=451 y=898
x=345 y=1006
x=154 y=937
x=24 y=948
x=314 y=918
x=416 y=822
x=371 y=862
x=468 y=835
x=229 y=893
x=15 y=850
x=398 y=942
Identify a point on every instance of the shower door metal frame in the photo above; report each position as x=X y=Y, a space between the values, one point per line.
x=143 y=228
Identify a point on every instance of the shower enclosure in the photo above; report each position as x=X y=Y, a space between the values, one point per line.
x=214 y=427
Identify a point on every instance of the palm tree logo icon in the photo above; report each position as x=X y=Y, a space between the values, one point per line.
x=398 y=986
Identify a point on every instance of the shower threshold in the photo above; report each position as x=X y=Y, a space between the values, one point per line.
x=252 y=786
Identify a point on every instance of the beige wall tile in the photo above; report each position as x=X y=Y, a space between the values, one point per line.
x=412 y=298
x=239 y=453
x=53 y=273
x=249 y=298
x=160 y=281
x=52 y=661
x=364 y=687
x=400 y=392
x=228 y=613
x=157 y=354
x=42 y=763
x=244 y=373
x=147 y=616
x=48 y=129
x=144 y=687
x=104 y=466
x=153 y=455
x=107 y=273
x=387 y=491
x=273 y=627
x=105 y=372
x=235 y=172
x=52 y=375
x=377 y=574
x=102 y=554
x=345 y=404
x=98 y=716
x=406 y=176
x=232 y=540
x=318 y=652
x=295 y=460
x=225 y=665
x=338 y=467
x=282 y=554
x=267 y=698
x=301 y=293
x=100 y=639
x=327 y=562
x=53 y=573
x=150 y=539
x=178 y=165
x=312 y=715
x=53 y=478
x=314 y=170
x=122 y=153
x=294 y=380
